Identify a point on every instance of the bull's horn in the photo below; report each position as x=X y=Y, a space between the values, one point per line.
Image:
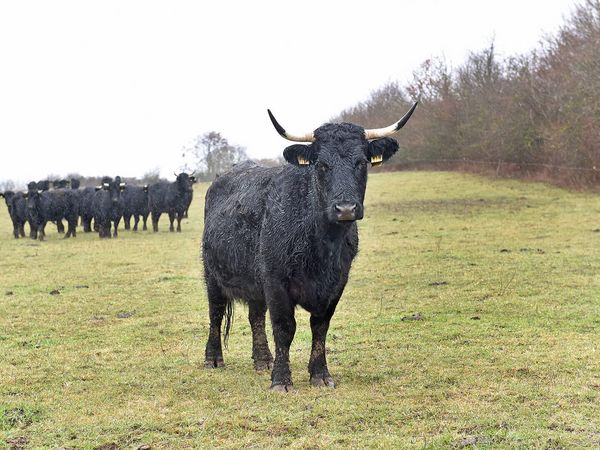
x=383 y=132
x=308 y=137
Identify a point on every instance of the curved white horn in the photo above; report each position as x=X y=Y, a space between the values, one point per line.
x=383 y=132
x=308 y=137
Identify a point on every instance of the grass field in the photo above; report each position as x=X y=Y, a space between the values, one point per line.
x=500 y=278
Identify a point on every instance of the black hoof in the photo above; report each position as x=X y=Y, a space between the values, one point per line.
x=322 y=381
x=282 y=387
x=261 y=365
x=214 y=363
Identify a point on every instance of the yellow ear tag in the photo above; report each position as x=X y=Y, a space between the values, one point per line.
x=376 y=160
x=302 y=161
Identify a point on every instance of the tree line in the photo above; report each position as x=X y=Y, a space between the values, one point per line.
x=536 y=114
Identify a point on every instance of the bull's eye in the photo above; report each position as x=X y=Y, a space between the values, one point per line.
x=361 y=164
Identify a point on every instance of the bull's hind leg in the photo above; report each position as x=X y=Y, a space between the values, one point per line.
x=263 y=359
x=317 y=364
x=217 y=304
x=171 y=219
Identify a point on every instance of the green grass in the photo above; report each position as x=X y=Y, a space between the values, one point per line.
x=505 y=276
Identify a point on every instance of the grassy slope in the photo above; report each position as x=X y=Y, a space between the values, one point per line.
x=506 y=276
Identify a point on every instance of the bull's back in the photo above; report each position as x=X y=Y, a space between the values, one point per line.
x=234 y=210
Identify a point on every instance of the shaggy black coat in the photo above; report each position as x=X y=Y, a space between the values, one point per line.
x=135 y=203
x=171 y=198
x=52 y=206
x=283 y=237
x=17 y=210
x=107 y=206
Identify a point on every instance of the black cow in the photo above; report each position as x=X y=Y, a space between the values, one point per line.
x=60 y=184
x=189 y=198
x=281 y=237
x=17 y=210
x=52 y=206
x=86 y=212
x=135 y=203
x=171 y=198
x=44 y=185
x=107 y=206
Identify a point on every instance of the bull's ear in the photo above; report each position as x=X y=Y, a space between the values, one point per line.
x=381 y=150
x=300 y=155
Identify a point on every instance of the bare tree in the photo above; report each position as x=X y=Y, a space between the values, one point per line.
x=212 y=154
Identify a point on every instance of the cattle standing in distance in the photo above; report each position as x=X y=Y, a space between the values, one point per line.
x=52 y=206
x=107 y=206
x=281 y=237
x=135 y=203
x=171 y=198
x=86 y=211
x=189 y=197
x=44 y=185
x=17 y=210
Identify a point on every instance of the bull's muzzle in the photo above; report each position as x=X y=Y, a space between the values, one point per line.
x=347 y=212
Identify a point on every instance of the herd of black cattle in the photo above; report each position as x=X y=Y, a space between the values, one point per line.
x=105 y=205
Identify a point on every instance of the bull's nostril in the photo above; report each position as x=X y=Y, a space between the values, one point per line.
x=345 y=211
x=345 y=207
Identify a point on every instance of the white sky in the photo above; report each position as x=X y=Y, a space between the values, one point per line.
x=119 y=87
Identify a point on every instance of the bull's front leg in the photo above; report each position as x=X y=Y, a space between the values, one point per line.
x=283 y=321
x=317 y=364
x=171 y=220
x=41 y=231
x=116 y=223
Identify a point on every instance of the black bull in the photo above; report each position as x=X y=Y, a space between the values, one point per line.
x=281 y=237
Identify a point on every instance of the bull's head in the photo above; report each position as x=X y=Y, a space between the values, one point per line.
x=7 y=195
x=34 y=197
x=184 y=182
x=113 y=187
x=337 y=157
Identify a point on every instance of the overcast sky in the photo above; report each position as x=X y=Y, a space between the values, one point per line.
x=119 y=87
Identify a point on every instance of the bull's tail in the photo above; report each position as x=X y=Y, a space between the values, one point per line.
x=228 y=320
